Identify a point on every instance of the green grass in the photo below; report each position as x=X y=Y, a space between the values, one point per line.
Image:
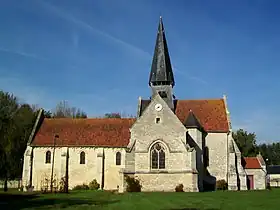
x=246 y=200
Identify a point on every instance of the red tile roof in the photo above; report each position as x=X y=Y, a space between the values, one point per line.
x=112 y=132
x=115 y=132
x=252 y=163
x=210 y=113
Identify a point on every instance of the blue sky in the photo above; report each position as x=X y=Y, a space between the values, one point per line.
x=97 y=54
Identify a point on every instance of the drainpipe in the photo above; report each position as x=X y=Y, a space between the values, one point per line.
x=54 y=142
x=31 y=170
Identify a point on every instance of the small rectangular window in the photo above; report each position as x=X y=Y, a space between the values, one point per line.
x=118 y=158
x=157 y=120
x=82 y=158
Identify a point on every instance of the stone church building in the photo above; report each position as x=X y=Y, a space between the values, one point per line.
x=170 y=142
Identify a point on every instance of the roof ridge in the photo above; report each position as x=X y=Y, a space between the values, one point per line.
x=206 y=99
x=84 y=119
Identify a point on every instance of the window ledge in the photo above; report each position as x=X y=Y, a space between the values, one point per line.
x=157 y=171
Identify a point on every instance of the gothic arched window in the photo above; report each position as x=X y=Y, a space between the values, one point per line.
x=158 y=156
x=118 y=158
x=82 y=158
x=48 y=157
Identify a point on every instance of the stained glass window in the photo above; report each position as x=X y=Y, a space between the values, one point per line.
x=158 y=156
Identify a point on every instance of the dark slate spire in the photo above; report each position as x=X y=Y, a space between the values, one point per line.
x=192 y=122
x=161 y=71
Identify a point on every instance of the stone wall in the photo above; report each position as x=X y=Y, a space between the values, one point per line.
x=168 y=181
x=169 y=131
x=274 y=180
x=78 y=173
x=259 y=178
x=218 y=154
x=171 y=134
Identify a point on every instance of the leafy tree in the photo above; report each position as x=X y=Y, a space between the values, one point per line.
x=248 y=147
x=112 y=115
x=63 y=110
x=23 y=123
x=246 y=142
x=47 y=114
x=8 y=107
x=16 y=122
x=271 y=153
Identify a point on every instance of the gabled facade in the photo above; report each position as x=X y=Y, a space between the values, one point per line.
x=256 y=173
x=170 y=142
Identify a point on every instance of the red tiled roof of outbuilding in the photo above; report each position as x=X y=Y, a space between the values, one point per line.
x=252 y=163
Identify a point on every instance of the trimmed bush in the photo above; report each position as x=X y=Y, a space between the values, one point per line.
x=81 y=187
x=133 y=185
x=179 y=188
x=94 y=185
x=221 y=185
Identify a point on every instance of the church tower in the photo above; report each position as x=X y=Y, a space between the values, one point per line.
x=161 y=78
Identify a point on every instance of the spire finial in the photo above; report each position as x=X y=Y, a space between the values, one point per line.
x=160 y=25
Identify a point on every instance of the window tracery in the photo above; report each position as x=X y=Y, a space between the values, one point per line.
x=157 y=156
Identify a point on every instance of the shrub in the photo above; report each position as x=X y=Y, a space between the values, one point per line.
x=94 y=185
x=133 y=185
x=179 y=188
x=268 y=187
x=221 y=185
x=81 y=187
x=63 y=185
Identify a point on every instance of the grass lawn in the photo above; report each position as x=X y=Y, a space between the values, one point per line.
x=246 y=200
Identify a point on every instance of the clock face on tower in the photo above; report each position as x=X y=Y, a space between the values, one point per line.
x=158 y=107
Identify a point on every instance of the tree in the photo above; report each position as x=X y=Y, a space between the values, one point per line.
x=16 y=122
x=270 y=153
x=35 y=107
x=248 y=147
x=112 y=115
x=63 y=110
x=23 y=123
x=246 y=142
x=47 y=114
x=8 y=107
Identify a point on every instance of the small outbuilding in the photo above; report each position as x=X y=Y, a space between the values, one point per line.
x=273 y=175
x=255 y=169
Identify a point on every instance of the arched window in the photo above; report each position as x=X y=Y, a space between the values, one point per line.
x=48 y=157
x=158 y=156
x=118 y=158
x=82 y=158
